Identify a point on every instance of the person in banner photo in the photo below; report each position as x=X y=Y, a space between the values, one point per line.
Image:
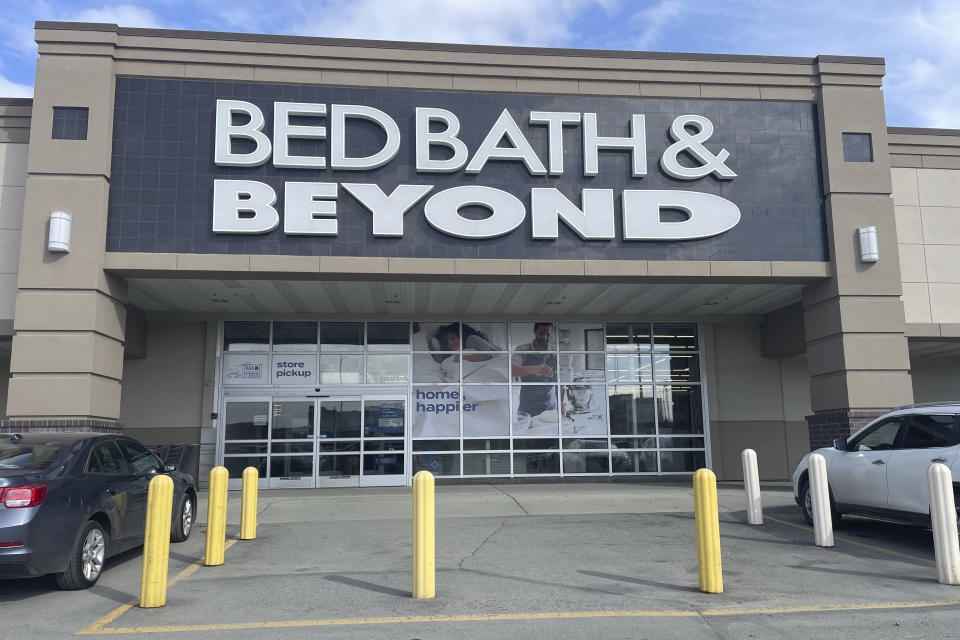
x=537 y=401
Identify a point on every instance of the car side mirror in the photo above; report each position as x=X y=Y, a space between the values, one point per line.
x=170 y=467
x=840 y=444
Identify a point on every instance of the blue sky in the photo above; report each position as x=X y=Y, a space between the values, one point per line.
x=920 y=40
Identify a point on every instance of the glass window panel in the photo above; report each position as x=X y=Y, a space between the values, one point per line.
x=629 y=368
x=388 y=336
x=533 y=336
x=586 y=462
x=631 y=410
x=437 y=464
x=580 y=336
x=674 y=337
x=246 y=336
x=679 y=409
x=339 y=419
x=535 y=443
x=383 y=464
x=236 y=464
x=436 y=445
x=388 y=369
x=294 y=336
x=486 y=410
x=485 y=368
x=430 y=336
x=384 y=418
x=681 y=443
x=635 y=443
x=586 y=443
x=245 y=447
x=584 y=410
x=338 y=466
x=534 y=367
x=634 y=461
x=486 y=464
x=246 y=421
x=628 y=336
x=537 y=412
x=436 y=411
x=292 y=467
x=483 y=336
x=532 y=463
x=929 y=431
x=338 y=447
x=291 y=447
x=246 y=369
x=383 y=445
x=341 y=369
x=292 y=420
x=582 y=367
x=436 y=367
x=676 y=367
x=681 y=461
x=480 y=445
x=341 y=336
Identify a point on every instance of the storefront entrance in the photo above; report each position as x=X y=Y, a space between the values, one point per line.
x=319 y=440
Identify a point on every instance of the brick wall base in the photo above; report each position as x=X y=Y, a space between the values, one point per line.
x=64 y=425
x=827 y=426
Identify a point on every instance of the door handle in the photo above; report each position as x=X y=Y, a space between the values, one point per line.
x=938 y=460
x=879 y=462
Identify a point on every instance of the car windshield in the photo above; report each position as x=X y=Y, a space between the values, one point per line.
x=24 y=455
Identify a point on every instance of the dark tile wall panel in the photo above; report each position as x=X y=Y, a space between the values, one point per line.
x=163 y=172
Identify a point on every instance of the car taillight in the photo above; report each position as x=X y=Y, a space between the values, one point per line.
x=19 y=497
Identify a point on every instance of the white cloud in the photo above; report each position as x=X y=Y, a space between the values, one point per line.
x=651 y=22
x=10 y=89
x=125 y=15
x=503 y=22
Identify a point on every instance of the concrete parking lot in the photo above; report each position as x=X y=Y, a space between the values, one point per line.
x=515 y=560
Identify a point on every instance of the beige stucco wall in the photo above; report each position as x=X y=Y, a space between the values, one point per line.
x=755 y=402
x=162 y=401
x=13 y=177
x=936 y=378
x=927 y=203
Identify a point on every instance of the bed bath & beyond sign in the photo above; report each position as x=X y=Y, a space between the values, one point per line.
x=310 y=208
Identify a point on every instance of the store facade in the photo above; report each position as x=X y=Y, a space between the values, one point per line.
x=345 y=261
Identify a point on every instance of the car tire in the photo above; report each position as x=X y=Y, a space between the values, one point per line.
x=184 y=519
x=86 y=558
x=806 y=505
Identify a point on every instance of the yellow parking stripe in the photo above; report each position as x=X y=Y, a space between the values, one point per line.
x=119 y=611
x=561 y=615
x=855 y=542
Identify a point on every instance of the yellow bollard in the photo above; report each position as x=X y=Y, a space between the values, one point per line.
x=424 y=546
x=156 y=542
x=248 y=510
x=216 y=517
x=708 y=531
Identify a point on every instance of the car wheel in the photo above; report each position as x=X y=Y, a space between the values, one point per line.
x=806 y=505
x=183 y=520
x=86 y=558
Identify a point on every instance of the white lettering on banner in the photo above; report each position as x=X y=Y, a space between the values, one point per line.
x=310 y=208
x=707 y=215
x=243 y=206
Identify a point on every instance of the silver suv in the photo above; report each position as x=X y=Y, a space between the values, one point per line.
x=880 y=471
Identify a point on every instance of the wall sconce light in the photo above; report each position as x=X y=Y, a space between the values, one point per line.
x=869 y=251
x=58 y=240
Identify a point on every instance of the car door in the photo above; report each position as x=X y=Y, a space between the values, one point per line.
x=928 y=438
x=113 y=485
x=144 y=466
x=858 y=477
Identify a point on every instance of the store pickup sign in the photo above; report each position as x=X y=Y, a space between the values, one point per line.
x=242 y=139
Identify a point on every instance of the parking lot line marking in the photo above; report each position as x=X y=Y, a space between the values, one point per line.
x=856 y=543
x=122 y=609
x=559 y=615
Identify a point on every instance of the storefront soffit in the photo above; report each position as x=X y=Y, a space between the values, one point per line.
x=457 y=299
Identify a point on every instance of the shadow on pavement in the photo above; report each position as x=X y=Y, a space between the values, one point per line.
x=630 y=580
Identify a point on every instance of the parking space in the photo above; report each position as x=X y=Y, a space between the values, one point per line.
x=567 y=560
